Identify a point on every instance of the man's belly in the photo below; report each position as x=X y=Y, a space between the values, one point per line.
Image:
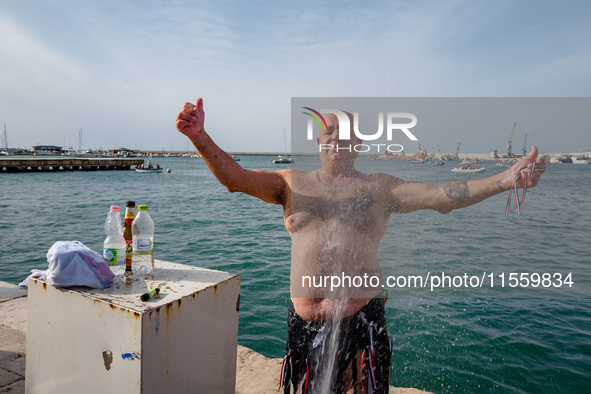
x=333 y=282
x=332 y=266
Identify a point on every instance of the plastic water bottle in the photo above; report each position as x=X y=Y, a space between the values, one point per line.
x=114 y=246
x=142 y=228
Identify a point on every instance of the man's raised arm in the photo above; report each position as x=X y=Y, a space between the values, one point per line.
x=408 y=197
x=269 y=186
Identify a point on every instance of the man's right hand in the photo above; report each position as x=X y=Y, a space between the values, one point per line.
x=191 y=119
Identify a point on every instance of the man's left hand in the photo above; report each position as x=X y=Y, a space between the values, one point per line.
x=524 y=167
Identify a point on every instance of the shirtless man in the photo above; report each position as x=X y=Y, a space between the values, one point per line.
x=336 y=217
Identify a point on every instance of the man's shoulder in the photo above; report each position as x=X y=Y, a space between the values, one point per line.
x=286 y=173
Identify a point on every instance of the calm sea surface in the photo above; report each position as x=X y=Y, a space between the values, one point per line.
x=456 y=345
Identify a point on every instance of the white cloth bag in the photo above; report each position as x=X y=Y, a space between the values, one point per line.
x=73 y=264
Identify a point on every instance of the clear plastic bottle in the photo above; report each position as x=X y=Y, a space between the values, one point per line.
x=142 y=228
x=114 y=246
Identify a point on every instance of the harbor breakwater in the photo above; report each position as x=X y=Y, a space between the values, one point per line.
x=66 y=164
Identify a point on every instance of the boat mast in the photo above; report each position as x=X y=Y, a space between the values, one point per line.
x=285 y=141
x=5 y=138
x=397 y=140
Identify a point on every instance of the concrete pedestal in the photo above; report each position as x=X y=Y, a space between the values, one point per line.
x=82 y=340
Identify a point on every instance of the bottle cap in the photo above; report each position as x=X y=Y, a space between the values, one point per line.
x=115 y=208
x=142 y=207
x=131 y=204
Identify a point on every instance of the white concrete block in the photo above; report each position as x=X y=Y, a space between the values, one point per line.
x=108 y=341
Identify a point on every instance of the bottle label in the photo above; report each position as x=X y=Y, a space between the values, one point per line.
x=128 y=250
x=112 y=257
x=143 y=244
x=129 y=214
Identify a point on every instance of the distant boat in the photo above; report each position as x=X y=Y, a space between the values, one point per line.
x=282 y=160
x=89 y=153
x=581 y=160
x=44 y=153
x=505 y=162
x=465 y=170
x=440 y=163
x=418 y=161
x=149 y=170
x=236 y=158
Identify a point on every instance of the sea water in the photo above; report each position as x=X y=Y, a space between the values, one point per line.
x=455 y=345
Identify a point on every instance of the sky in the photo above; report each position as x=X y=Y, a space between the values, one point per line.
x=121 y=70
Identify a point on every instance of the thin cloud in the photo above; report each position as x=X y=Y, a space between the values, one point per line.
x=30 y=69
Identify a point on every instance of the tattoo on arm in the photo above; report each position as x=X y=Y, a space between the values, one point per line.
x=457 y=191
x=500 y=185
